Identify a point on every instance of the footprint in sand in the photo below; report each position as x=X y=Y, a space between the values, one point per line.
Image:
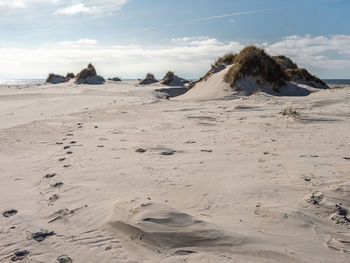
x=19 y=255
x=64 y=259
x=140 y=150
x=53 y=198
x=69 y=152
x=66 y=166
x=57 y=185
x=10 y=213
x=66 y=147
x=61 y=159
x=50 y=175
x=73 y=142
x=41 y=236
x=167 y=153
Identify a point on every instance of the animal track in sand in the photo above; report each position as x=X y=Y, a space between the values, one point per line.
x=61 y=159
x=64 y=214
x=10 y=213
x=69 y=152
x=66 y=147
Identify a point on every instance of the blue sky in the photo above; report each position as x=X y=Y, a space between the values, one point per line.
x=129 y=38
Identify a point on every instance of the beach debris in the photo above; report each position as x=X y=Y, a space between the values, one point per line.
x=19 y=255
x=10 y=213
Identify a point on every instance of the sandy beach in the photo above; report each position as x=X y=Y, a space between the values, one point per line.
x=115 y=173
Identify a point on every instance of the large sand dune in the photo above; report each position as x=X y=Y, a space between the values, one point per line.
x=114 y=173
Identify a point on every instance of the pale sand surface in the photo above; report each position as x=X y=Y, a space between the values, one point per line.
x=245 y=184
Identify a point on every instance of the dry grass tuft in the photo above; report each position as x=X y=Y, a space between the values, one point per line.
x=290 y=112
x=253 y=61
x=225 y=59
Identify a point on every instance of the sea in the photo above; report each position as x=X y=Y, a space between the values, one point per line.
x=30 y=82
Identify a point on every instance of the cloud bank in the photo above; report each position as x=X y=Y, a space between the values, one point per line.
x=188 y=56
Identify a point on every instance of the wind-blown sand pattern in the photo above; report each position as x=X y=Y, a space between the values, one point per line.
x=115 y=173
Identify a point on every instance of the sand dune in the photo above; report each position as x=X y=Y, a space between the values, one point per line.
x=127 y=176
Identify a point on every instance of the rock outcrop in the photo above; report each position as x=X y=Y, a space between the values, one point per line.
x=150 y=79
x=116 y=79
x=89 y=76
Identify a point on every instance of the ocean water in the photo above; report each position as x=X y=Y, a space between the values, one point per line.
x=21 y=82
x=27 y=82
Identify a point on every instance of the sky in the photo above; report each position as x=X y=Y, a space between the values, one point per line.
x=129 y=38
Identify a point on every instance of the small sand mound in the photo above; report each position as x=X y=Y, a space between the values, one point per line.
x=252 y=71
x=89 y=76
x=161 y=226
x=170 y=79
x=150 y=79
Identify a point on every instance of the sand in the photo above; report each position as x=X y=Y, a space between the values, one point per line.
x=115 y=173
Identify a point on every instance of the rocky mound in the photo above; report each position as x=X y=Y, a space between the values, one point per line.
x=164 y=227
x=89 y=76
x=150 y=79
x=70 y=76
x=116 y=79
x=253 y=70
x=302 y=76
x=55 y=79
x=170 y=79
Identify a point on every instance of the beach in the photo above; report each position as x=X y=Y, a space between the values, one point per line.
x=118 y=173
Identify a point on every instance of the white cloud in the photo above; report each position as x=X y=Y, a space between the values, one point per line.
x=77 y=9
x=67 y=7
x=314 y=51
x=190 y=57
x=15 y=4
